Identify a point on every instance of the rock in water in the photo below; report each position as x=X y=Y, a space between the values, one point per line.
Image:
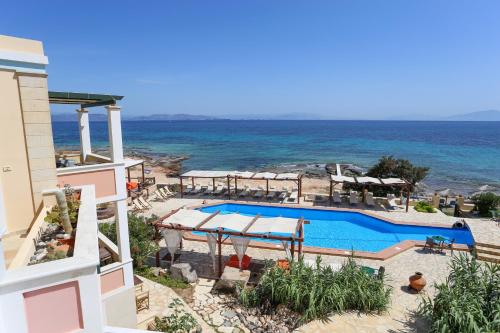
x=183 y=271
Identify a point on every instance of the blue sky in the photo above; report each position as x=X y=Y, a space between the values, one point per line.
x=336 y=59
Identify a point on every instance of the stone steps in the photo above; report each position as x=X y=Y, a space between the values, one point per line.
x=488 y=252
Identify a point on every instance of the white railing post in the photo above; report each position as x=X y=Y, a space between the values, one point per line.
x=84 y=127
x=115 y=133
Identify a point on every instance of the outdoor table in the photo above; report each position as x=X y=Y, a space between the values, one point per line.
x=441 y=241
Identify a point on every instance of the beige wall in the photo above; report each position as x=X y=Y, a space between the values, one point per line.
x=38 y=132
x=27 y=164
x=20 y=44
x=14 y=168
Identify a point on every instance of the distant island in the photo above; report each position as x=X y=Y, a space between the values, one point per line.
x=487 y=115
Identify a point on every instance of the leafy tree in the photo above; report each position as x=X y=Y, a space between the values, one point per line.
x=485 y=202
x=141 y=236
x=388 y=166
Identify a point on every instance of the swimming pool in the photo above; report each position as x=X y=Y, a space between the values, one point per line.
x=346 y=230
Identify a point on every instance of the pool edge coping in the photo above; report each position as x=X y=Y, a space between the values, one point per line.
x=384 y=254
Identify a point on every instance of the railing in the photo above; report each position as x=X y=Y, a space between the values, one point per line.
x=28 y=294
x=103 y=176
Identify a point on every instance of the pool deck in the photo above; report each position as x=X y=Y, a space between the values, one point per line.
x=402 y=316
x=396 y=217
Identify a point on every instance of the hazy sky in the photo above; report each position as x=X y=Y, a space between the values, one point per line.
x=339 y=59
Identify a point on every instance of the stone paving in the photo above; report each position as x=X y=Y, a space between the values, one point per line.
x=401 y=316
x=159 y=299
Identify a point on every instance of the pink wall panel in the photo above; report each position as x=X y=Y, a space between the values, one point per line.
x=54 y=309
x=112 y=280
x=104 y=181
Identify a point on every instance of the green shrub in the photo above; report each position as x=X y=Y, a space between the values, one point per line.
x=177 y=322
x=469 y=299
x=165 y=280
x=141 y=235
x=424 y=207
x=388 y=166
x=54 y=215
x=485 y=202
x=315 y=292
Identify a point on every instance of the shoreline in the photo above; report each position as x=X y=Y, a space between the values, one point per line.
x=167 y=167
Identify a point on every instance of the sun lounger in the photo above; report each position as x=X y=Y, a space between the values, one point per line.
x=353 y=198
x=144 y=203
x=283 y=194
x=431 y=244
x=219 y=190
x=271 y=194
x=138 y=206
x=337 y=199
x=292 y=198
x=188 y=189
x=163 y=193
x=208 y=190
x=166 y=192
x=159 y=196
x=369 y=199
x=245 y=192
x=197 y=189
x=259 y=193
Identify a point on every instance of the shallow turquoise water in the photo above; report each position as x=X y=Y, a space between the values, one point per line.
x=346 y=230
x=461 y=155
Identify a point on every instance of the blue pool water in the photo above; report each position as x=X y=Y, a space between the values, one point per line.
x=346 y=230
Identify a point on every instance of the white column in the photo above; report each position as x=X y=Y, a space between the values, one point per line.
x=115 y=132
x=83 y=122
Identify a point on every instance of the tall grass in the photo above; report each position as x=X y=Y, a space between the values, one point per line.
x=469 y=299
x=318 y=291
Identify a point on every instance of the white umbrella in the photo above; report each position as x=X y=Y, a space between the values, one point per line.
x=486 y=188
x=447 y=193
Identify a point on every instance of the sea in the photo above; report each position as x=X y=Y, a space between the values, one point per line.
x=461 y=155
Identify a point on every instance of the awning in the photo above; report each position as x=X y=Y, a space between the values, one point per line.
x=234 y=222
x=186 y=217
x=368 y=180
x=264 y=175
x=206 y=174
x=393 y=181
x=342 y=179
x=287 y=176
x=84 y=99
x=131 y=162
x=280 y=225
x=242 y=174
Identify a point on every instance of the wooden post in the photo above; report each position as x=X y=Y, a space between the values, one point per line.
x=236 y=187
x=301 y=236
x=292 y=248
x=267 y=186
x=219 y=241
x=299 y=189
x=143 y=176
x=213 y=184
x=182 y=191
x=407 y=199
x=331 y=193
x=228 y=188
x=192 y=181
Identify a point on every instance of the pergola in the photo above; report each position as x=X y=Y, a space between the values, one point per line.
x=242 y=175
x=371 y=181
x=233 y=224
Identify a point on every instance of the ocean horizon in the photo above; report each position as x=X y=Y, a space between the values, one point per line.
x=461 y=155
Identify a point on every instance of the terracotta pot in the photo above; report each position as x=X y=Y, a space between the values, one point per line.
x=283 y=264
x=417 y=281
